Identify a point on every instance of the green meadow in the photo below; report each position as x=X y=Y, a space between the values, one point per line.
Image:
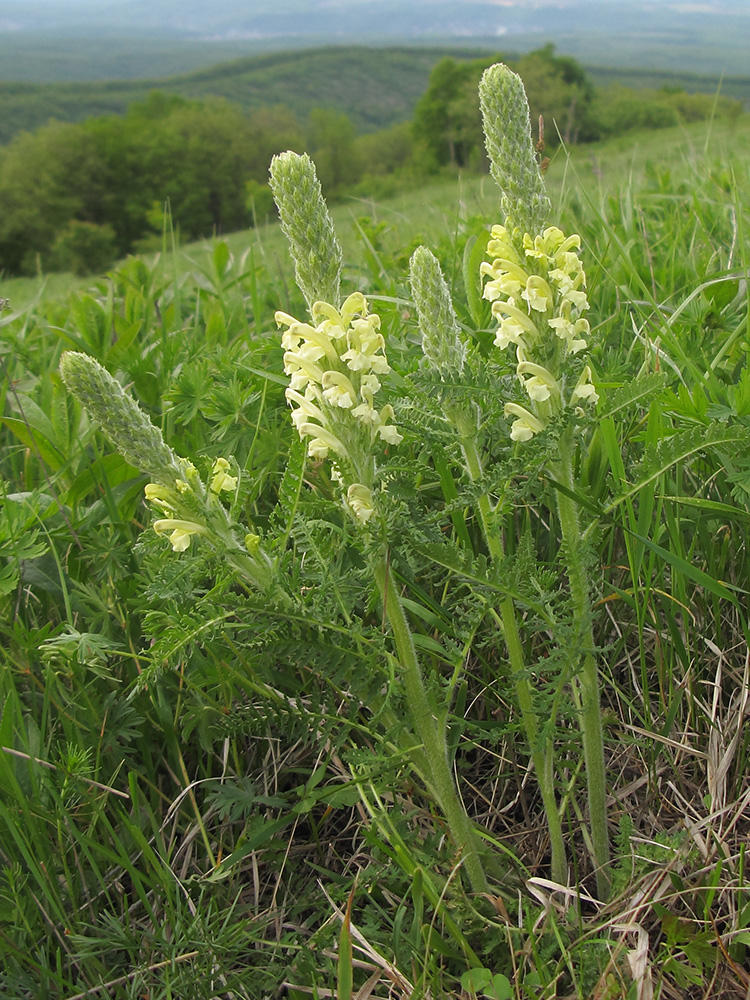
x=212 y=790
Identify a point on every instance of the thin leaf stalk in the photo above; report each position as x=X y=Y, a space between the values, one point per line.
x=430 y=731
x=542 y=754
x=587 y=678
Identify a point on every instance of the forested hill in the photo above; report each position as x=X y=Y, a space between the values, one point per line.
x=375 y=88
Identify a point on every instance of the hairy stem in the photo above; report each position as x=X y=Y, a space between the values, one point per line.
x=430 y=732
x=587 y=679
x=542 y=754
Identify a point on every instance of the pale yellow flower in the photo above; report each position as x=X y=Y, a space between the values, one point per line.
x=541 y=384
x=181 y=532
x=359 y=498
x=338 y=390
x=555 y=294
x=389 y=433
x=501 y=245
x=526 y=426
x=538 y=294
x=252 y=543
x=322 y=441
x=221 y=479
x=159 y=496
x=585 y=391
x=313 y=360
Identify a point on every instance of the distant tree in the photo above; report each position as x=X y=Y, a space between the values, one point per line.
x=197 y=159
x=111 y=171
x=386 y=151
x=331 y=143
x=271 y=130
x=618 y=109
x=447 y=126
x=37 y=195
x=84 y=248
x=559 y=92
x=258 y=200
x=121 y=192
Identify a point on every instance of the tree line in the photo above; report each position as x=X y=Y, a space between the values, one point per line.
x=79 y=196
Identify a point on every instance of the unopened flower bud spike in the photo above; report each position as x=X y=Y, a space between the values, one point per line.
x=507 y=133
x=139 y=442
x=307 y=224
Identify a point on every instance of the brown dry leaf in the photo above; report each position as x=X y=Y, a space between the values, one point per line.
x=639 y=965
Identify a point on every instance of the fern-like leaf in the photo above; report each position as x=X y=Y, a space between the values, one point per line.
x=679 y=450
x=638 y=392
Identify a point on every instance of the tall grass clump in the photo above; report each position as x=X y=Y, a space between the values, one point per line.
x=422 y=670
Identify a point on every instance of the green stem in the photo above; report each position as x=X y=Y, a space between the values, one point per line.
x=542 y=755
x=430 y=732
x=587 y=679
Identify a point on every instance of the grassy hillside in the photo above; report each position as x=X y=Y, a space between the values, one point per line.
x=435 y=211
x=656 y=78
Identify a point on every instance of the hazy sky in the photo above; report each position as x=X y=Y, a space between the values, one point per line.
x=707 y=5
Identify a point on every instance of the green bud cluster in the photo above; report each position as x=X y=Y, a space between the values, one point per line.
x=187 y=507
x=507 y=132
x=307 y=224
x=126 y=425
x=441 y=340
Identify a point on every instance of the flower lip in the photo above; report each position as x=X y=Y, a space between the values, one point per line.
x=221 y=480
x=294 y=361
x=541 y=384
x=338 y=390
x=585 y=389
x=323 y=435
x=305 y=405
x=529 y=368
x=156 y=492
x=538 y=294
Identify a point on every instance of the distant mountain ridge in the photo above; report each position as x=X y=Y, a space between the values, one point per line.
x=374 y=87
x=708 y=36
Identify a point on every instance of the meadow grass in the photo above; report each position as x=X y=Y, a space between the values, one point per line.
x=203 y=797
